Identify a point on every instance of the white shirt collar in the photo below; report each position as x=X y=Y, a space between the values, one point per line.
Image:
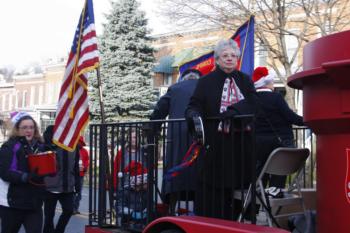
x=263 y=89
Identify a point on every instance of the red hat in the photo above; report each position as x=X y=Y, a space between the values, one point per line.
x=135 y=168
x=82 y=141
x=261 y=77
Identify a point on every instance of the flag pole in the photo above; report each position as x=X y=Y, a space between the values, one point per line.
x=102 y=109
x=104 y=164
x=245 y=42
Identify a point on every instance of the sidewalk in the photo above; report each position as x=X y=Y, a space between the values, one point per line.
x=77 y=222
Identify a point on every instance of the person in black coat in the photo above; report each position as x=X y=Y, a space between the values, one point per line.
x=173 y=104
x=273 y=125
x=220 y=168
x=61 y=187
x=21 y=190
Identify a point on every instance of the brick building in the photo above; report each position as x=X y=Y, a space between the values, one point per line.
x=35 y=92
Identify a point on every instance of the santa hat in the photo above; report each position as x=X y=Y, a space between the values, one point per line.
x=16 y=116
x=135 y=168
x=82 y=141
x=261 y=77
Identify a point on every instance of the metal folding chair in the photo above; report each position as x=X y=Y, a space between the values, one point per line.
x=282 y=161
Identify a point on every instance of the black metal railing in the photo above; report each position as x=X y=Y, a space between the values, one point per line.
x=129 y=163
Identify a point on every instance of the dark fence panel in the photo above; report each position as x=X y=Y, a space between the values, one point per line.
x=129 y=161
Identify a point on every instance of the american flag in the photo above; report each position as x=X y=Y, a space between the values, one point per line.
x=73 y=109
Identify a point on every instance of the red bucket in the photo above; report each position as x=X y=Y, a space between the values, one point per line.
x=43 y=163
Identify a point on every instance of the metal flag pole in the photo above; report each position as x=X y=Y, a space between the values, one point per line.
x=104 y=148
x=102 y=109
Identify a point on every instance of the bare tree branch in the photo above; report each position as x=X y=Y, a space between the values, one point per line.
x=277 y=21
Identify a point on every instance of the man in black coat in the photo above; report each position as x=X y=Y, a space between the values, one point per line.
x=61 y=186
x=273 y=125
x=173 y=104
x=220 y=167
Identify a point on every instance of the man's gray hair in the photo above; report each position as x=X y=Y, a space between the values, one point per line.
x=190 y=75
x=222 y=44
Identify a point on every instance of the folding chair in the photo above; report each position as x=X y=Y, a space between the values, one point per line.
x=282 y=161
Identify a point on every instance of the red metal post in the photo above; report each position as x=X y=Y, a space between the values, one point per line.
x=325 y=81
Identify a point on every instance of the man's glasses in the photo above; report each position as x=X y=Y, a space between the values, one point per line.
x=26 y=127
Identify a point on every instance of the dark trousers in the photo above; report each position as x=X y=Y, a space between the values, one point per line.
x=171 y=199
x=264 y=146
x=216 y=203
x=12 y=219
x=77 y=196
x=66 y=200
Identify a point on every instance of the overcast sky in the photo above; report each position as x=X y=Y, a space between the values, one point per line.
x=36 y=29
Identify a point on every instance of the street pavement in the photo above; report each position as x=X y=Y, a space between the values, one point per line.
x=77 y=222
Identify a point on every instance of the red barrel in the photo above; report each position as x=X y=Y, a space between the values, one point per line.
x=325 y=81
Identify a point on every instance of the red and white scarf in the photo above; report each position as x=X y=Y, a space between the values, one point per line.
x=231 y=94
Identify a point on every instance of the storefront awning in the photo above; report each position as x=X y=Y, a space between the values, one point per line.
x=190 y=54
x=164 y=65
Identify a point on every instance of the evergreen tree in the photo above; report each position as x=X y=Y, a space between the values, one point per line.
x=126 y=65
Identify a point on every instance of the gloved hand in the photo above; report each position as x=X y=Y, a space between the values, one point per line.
x=35 y=179
x=239 y=108
x=189 y=118
x=229 y=113
x=195 y=126
x=198 y=129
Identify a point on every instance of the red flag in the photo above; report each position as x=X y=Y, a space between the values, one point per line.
x=244 y=37
x=73 y=109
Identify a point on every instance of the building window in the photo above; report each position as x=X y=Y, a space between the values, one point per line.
x=46 y=119
x=3 y=108
x=262 y=55
x=24 y=99
x=328 y=27
x=57 y=93
x=167 y=79
x=41 y=95
x=48 y=92
x=292 y=45
x=10 y=101
x=17 y=99
x=53 y=93
x=32 y=95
